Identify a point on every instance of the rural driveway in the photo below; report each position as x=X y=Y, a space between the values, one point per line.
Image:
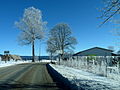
x=30 y=76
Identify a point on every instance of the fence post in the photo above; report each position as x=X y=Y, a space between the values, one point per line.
x=106 y=65
x=119 y=65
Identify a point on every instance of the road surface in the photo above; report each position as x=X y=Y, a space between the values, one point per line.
x=31 y=76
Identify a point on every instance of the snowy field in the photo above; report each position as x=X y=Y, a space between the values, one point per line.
x=85 y=80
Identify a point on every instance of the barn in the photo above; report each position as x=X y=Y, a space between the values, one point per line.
x=98 y=51
x=95 y=51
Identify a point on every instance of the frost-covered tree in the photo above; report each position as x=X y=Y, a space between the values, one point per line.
x=32 y=27
x=61 y=38
x=110 y=8
x=51 y=47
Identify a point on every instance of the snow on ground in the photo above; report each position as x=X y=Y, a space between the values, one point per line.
x=86 y=80
x=46 y=61
x=12 y=62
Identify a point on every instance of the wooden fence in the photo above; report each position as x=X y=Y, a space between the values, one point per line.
x=108 y=66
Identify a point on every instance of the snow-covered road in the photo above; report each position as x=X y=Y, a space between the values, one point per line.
x=85 y=80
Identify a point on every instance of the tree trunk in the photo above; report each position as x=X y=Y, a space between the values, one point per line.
x=51 y=57
x=62 y=55
x=33 y=52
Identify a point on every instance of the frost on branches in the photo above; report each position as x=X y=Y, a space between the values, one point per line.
x=32 y=27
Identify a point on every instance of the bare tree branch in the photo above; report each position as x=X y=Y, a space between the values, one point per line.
x=60 y=38
x=109 y=17
x=112 y=7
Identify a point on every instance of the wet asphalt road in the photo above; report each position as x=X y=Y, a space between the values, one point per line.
x=30 y=76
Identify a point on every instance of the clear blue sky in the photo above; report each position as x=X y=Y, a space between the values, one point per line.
x=81 y=15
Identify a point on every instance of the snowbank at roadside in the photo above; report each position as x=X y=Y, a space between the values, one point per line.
x=12 y=62
x=86 y=80
x=47 y=61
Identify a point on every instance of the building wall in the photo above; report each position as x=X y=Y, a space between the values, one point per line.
x=95 y=51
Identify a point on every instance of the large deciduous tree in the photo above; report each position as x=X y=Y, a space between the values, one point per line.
x=61 y=39
x=32 y=27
